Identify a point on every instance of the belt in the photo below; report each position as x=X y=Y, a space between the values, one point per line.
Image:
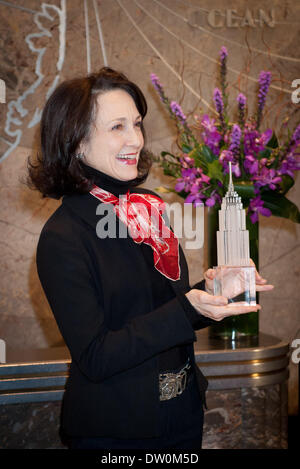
x=173 y=384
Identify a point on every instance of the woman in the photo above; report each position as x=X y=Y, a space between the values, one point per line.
x=120 y=295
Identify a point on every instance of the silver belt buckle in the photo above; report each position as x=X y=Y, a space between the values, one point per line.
x=172 y=384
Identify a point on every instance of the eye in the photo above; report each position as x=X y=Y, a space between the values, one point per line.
x=117 y=127
x=139 y=124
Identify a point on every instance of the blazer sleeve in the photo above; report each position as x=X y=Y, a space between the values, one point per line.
x=63 y=269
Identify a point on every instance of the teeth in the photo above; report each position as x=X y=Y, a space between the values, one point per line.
x=125 y=157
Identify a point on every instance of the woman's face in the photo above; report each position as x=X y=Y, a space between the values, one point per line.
x=116 y=138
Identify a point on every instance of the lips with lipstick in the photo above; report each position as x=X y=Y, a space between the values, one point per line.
x=127 y=158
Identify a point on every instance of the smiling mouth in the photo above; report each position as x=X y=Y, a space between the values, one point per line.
x=128 y=158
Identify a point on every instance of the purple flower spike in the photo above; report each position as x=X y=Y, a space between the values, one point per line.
x=241 y=99
x=223 y=53
x=218 y=100
x=264 y=84
x=256 y=206
x=176 y=109
x=235 y=140
x=156 y=83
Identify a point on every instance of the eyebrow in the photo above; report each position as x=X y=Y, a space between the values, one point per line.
x=124 y=119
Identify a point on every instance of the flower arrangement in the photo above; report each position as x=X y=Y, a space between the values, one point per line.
x=263 y=169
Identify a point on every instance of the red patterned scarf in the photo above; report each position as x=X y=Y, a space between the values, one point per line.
x=142 y=214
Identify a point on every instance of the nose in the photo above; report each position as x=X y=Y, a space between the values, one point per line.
x=134 y=137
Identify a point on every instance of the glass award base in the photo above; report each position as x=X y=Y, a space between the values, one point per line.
x=237 y=283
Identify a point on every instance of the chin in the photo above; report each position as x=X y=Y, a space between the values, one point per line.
x=126 y=176
x=126 y=173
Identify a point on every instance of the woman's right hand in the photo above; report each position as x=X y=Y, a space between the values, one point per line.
x=216 y=307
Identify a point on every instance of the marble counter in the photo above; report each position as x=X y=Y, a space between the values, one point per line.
x=246 y=398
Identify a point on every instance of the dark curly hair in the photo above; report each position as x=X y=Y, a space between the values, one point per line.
x=66 y=121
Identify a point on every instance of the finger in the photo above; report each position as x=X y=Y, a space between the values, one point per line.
x=218 y=313
x=234 y=310
x=260 y=281
x=258 y=277
x=210 y=274
x=264 y=287
x=208 y=299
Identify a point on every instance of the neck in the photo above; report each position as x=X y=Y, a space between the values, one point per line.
x=106 y=182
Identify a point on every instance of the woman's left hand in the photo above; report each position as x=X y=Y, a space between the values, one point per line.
x=261 y=283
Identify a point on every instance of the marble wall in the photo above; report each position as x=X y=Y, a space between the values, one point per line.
x=42 y=44
x=243 y=418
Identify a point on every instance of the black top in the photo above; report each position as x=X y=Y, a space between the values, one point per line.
x=175 y=357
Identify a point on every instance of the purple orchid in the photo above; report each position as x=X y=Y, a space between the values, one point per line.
x=256 y=206
x=289 y=165
x=185 y=182
x=213 y=199
x=196 y=196
x=251 y=164
x=211 y=136
x=203 y=177
x=295 y=140
x=267 y=177
x=254 y=142
x=227 y=156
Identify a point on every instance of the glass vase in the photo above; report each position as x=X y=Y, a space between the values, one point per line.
x=243 y=326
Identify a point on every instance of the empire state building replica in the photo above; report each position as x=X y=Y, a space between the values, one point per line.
x=235 y=276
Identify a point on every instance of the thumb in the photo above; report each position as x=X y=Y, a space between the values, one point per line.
x=210 y=274
x=206 y=298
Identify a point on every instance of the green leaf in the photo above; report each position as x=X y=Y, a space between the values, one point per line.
x=186 y=148
x=280 y=206
x=245 y=189
x=198 y=158
x=164 y=153
x=214 y=170
x=171 y=170
x=286 y=183
x=273 y=142
x=164 y=190
x=208 y=154
x=265 y=153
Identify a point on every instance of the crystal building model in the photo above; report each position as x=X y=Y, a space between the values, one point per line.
x=232 y=237
x=235 y=276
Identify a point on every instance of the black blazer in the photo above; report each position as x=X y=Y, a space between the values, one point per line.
x=111 y=329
